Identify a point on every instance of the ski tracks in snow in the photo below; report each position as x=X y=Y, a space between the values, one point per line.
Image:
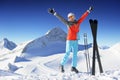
x=42 y=64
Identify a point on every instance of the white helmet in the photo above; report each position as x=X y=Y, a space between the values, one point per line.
x=70 y=14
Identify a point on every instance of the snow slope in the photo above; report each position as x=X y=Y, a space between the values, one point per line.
x=47 y=68
x=115 y=48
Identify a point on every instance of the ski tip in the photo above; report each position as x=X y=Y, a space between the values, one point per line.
x=95 y=21
x=90 y=20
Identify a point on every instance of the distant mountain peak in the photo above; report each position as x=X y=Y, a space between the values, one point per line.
x=55 y=30
x=104 y=47
x=5 y=39
x=5 y=43
x=56 y=34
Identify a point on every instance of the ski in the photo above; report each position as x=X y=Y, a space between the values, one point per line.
x=93 y=25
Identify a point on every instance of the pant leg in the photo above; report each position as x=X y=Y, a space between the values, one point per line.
x=68 y=50
x=74 y=50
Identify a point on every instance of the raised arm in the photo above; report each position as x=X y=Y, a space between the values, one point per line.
x=52 y=11
x=85 y=15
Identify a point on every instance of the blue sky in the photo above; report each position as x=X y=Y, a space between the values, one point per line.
x=23 y=20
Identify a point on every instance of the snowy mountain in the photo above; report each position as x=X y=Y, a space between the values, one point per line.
x=46 y=45
x=104 y=47
x=5 y=43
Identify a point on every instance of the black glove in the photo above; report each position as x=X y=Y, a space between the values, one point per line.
x=51 y=10
x=90 y=8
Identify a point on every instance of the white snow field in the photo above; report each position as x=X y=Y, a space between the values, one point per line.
x=31 y=60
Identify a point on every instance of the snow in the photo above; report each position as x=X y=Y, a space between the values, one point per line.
x=41 y=68
x=44 y=68
x=15 y=65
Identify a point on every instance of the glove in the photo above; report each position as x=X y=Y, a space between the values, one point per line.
x=90 y=8
x=51 y=10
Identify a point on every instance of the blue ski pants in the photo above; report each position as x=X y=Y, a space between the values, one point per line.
x=71 y=45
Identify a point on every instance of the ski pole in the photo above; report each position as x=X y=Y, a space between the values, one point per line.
x=87 y=53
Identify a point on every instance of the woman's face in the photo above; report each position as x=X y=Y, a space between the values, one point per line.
x=71 y=18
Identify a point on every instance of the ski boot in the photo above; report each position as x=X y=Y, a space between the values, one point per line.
x=62 y=68
x=73 y=69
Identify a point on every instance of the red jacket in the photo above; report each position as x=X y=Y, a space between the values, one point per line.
x=74 y=29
